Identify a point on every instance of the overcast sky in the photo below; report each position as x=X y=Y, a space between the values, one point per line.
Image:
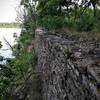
x=7 y=10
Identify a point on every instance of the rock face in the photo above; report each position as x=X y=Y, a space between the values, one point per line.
x=69 y=67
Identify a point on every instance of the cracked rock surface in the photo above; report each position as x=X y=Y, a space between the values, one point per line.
x=70 y=68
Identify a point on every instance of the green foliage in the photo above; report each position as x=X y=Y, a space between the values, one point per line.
x=52 y=22
x=86 y=22
x=0 y=44
x=53 y=14
x=6 y=78
x=18 y=69
x=96 y=27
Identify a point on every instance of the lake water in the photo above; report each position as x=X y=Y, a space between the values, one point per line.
x=8 y=33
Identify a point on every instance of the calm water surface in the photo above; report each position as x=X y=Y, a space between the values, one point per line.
x=8 y=34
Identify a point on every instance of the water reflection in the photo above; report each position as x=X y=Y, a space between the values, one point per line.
x=8 y=34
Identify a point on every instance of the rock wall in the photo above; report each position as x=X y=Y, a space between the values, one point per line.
x=69 y=67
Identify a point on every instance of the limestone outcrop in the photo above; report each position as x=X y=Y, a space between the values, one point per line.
x=69 y=67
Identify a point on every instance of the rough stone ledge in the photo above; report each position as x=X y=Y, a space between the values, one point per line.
x=70 y=68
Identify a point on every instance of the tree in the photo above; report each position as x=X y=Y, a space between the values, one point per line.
x=0 y=44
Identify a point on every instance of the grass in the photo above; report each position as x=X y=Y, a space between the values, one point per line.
x=84 y=35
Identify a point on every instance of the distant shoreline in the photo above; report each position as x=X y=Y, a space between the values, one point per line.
x=10 y=25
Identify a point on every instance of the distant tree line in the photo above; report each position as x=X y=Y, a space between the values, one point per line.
x=10 y=25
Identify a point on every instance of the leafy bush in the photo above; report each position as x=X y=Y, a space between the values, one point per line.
x=52 y=22
x=85 y=23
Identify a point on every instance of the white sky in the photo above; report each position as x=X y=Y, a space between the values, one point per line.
x=7 y=10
